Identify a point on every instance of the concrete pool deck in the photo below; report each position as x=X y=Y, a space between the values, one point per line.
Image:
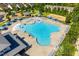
x=36 y=50
x=61 y=18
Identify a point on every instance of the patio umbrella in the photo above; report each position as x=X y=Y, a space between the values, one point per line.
x=5 y=28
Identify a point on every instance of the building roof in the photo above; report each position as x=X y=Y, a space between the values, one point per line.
x=13 y=44
x=3 y=43
x=70 y=9
x=27 y=13
x=17 y=55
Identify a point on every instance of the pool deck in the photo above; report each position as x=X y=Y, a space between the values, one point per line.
x=36 y=50
x=61 y=18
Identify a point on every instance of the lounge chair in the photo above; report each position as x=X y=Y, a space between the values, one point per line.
x=49 y=17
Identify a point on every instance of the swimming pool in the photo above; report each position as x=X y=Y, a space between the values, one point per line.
x=41 y=31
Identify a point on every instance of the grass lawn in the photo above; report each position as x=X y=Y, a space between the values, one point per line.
x=35 y=12
x=45 y=14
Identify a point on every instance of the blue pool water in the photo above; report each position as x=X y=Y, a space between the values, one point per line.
x=41 y=31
